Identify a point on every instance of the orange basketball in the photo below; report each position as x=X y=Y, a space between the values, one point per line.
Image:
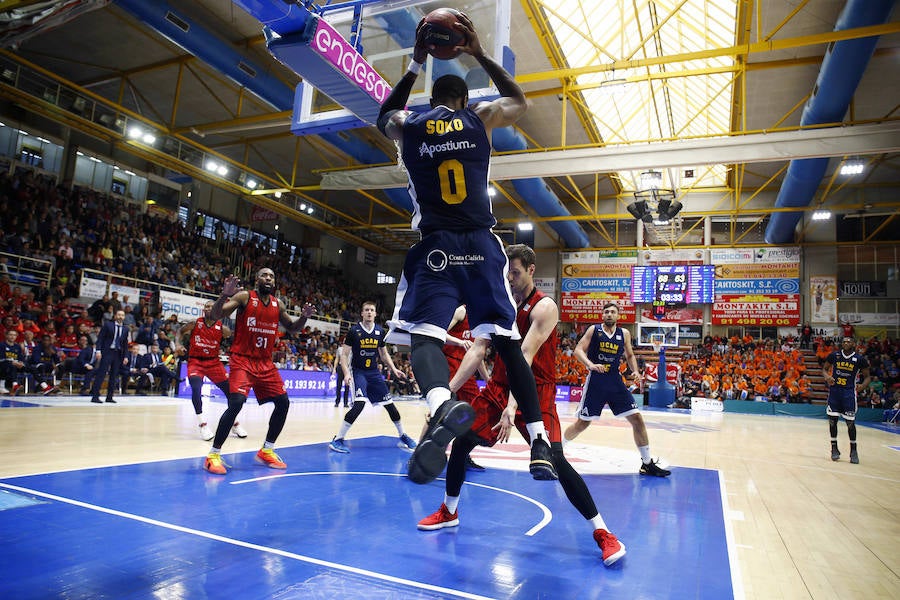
x=441 y=37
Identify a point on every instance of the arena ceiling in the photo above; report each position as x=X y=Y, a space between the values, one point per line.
x=690 y=88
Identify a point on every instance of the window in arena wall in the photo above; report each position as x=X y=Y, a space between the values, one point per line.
x=119 y=187
x=385 y=279
x=32 y=156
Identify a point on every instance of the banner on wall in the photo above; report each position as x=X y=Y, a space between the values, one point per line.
x=132 y=293
x=823 y=299
x=547 y=285
x=871 y=319
x=587 y=307
x=755 y=270
x=188 y=308
x=651 y=373
x=593 y=278
x=676 y=256
x=756 y=286
x=596 y=257
x=768 y=309
x=687 y=315
x=862 y=289
x=258 y=214
x=307 y=384
x=721 y=256
x=92 y=288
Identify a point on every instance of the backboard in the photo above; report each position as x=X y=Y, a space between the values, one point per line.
x=667 y=331
x=384 y=37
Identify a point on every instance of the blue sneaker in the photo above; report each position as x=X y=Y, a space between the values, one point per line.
x=338 y=445
x=406 y=442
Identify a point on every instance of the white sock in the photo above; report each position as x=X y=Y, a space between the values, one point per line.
x=645 y=454
x=345 y=427
x=200 y=419
x=215 y=450
x=536 y=429
x=598 y=522
x=451 y=502
x=269 y=445
x=399 y=426
x=435 y=397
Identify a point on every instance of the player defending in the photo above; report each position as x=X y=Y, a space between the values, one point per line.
x=600 y=350
x=459 y=260
x=495 y=408
x=205 y=343
x=842 y=368
x=362 y=348
x=255 y=332
x=459 y=340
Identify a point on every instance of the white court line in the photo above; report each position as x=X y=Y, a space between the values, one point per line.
x=242 y=544
x=548 y=515
x=737 y=584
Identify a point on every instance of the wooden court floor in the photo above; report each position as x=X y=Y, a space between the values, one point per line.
x=802 y=526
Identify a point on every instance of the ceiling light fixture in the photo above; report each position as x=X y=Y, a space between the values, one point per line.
x=653 y=197
x=853 y=167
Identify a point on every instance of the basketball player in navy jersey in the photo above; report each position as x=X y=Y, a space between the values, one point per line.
x=363 y=347
x=446 y=151
x=601 y=350
x=842 y=369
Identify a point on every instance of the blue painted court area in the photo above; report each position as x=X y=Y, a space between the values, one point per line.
x=344 y=526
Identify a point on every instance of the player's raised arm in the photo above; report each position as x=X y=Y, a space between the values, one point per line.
x=233 y=297
x=391 y=116
x=512 y=104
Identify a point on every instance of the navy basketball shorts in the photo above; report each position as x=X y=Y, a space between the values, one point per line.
x=447 y=269
x=841 y=403
x=369 y=385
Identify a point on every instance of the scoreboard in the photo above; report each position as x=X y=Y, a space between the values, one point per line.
x=672 y=284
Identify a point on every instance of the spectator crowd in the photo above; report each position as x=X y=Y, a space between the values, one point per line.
x=82 y=229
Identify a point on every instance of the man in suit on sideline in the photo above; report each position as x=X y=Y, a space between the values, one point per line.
x=112 y=342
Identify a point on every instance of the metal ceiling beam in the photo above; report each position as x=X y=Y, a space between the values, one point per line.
x=755 y=48
x=749 y=148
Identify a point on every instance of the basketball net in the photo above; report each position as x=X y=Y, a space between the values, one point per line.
x=656 y=340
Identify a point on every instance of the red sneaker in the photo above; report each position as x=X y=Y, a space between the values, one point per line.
x=268 y=457
x=610 y=546
x=214 y=464
x=440 y=519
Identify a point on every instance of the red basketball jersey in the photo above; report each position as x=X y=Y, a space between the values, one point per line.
x=256 y=328
x=205 y=339
x=455 y=353
x=544 y=364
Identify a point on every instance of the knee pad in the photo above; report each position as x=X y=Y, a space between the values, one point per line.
x=355 y=410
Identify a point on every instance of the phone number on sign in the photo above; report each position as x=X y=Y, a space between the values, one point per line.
x=757 y=321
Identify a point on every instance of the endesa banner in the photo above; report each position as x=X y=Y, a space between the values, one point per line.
x=587 y=307
x=768 y=309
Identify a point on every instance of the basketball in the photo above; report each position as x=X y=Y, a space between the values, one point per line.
x=441 y=37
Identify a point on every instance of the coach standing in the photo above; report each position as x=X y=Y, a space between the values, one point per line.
x=111 y=344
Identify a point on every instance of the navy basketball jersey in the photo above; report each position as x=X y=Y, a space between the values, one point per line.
x=364 y=346
x=604 y=349
x=447 y=154
x=846 y=369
